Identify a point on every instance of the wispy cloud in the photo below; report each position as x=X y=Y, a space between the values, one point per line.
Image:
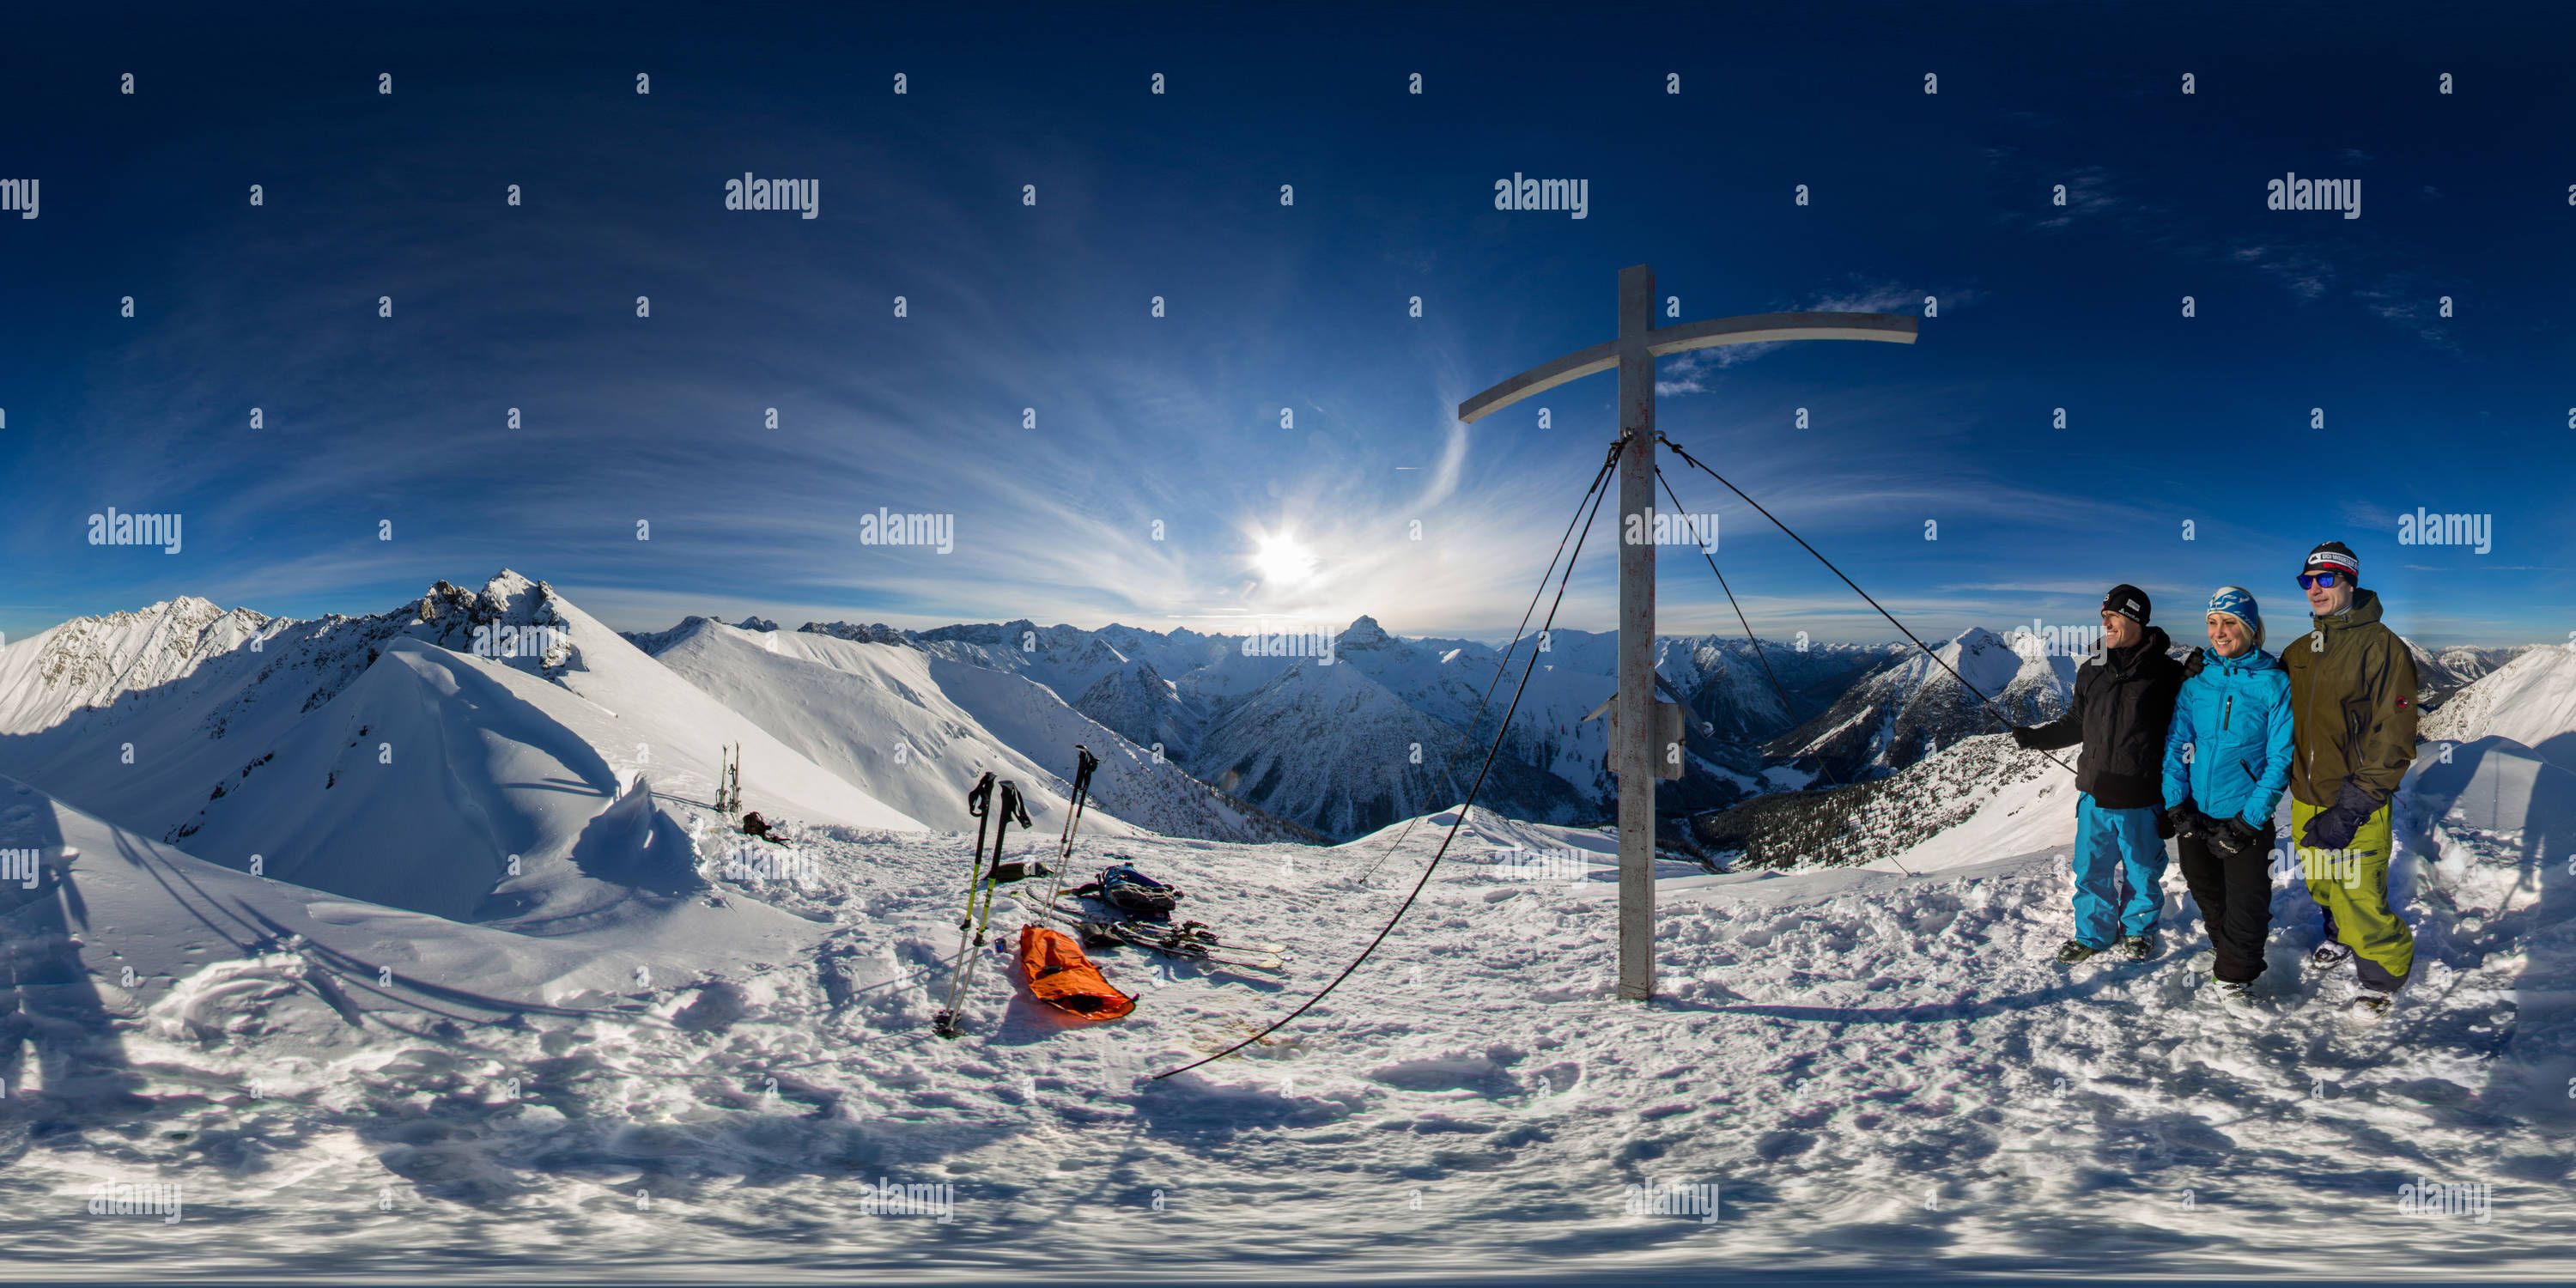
x=2091 y=191
x=2304 y=273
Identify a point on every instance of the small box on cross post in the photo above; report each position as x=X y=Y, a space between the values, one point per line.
x=1668 y=738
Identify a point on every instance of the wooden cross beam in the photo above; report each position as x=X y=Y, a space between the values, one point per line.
x=1632 y=754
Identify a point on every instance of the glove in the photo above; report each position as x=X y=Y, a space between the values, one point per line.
x=2234 y=837
x=2332 y=827
x=2185 y=821
x=2164 y=825
x=2025 y=737
x=2191 y=665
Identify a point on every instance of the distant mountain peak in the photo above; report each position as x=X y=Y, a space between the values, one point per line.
x=863 y=633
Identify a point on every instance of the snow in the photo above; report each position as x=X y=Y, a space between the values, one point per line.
x=872 y=714
x=2018 y=818
x=1872 y=1068
x=1914 y=708
x=406 y=773
x=906 y=726
x=680 y=1066
x=2531 y=700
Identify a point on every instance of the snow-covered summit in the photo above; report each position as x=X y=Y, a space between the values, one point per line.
x=2531 y=700
x=271 y=739
x=1914 y=707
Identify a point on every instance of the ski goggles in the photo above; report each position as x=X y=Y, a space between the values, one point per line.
x=2312 y=580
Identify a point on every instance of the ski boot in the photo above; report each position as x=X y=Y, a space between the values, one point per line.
x=2139 y=947
x=2073 y=951
x=2328 y=955
x=2234 y=995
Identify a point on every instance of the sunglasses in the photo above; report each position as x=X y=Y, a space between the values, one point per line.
x=2311 y=580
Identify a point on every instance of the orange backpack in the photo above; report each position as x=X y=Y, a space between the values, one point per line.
x=1060 y=976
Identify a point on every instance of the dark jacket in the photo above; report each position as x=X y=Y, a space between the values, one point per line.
x=2124 y=703
x=2352 y=693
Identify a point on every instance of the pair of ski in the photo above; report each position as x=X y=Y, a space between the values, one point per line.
x=984 y=880
x=1189 y=941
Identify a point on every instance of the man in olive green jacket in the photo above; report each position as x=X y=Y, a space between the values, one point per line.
x=2352 y=704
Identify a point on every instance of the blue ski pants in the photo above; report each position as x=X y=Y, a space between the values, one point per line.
x=2115 y=847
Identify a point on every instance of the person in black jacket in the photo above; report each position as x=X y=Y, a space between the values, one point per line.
x=2124 y=701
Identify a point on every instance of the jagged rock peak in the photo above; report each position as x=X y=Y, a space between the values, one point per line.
x=1363 y=633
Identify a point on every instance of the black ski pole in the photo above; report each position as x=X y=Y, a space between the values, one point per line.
x=1084 y=763
x=979 y=800
x=981 y=914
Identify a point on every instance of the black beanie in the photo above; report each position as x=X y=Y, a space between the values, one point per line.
x=2129 y=602
x=2334 y=556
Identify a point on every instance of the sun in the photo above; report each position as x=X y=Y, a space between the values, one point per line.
x=1282 y=561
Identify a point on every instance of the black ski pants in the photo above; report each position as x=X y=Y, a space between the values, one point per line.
x=2235 y=898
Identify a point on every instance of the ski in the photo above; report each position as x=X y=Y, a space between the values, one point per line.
x=1206 y=933
x=1194 y=931
x=1190 y=950
x=1112 y=933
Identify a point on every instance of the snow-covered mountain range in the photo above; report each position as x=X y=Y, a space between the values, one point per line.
x=1381 y=729
x=1913 y=707
x=1847 y=1056
x=867 y=724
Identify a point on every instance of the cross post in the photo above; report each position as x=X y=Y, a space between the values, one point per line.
x=1633 y=753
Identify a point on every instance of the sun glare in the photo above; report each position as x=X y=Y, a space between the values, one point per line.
x=1282 y=561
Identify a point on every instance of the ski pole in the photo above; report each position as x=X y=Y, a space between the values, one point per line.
x=980 y=915
x=1083 y=766
x=978 y=803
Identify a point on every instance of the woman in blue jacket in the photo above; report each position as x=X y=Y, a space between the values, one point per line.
x=2232 y=721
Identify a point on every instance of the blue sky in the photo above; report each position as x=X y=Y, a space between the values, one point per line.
x=402 y=420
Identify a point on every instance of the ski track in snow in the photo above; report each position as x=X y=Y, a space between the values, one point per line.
x=1875 y=1071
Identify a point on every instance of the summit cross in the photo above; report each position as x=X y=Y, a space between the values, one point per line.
x=1632 y=752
